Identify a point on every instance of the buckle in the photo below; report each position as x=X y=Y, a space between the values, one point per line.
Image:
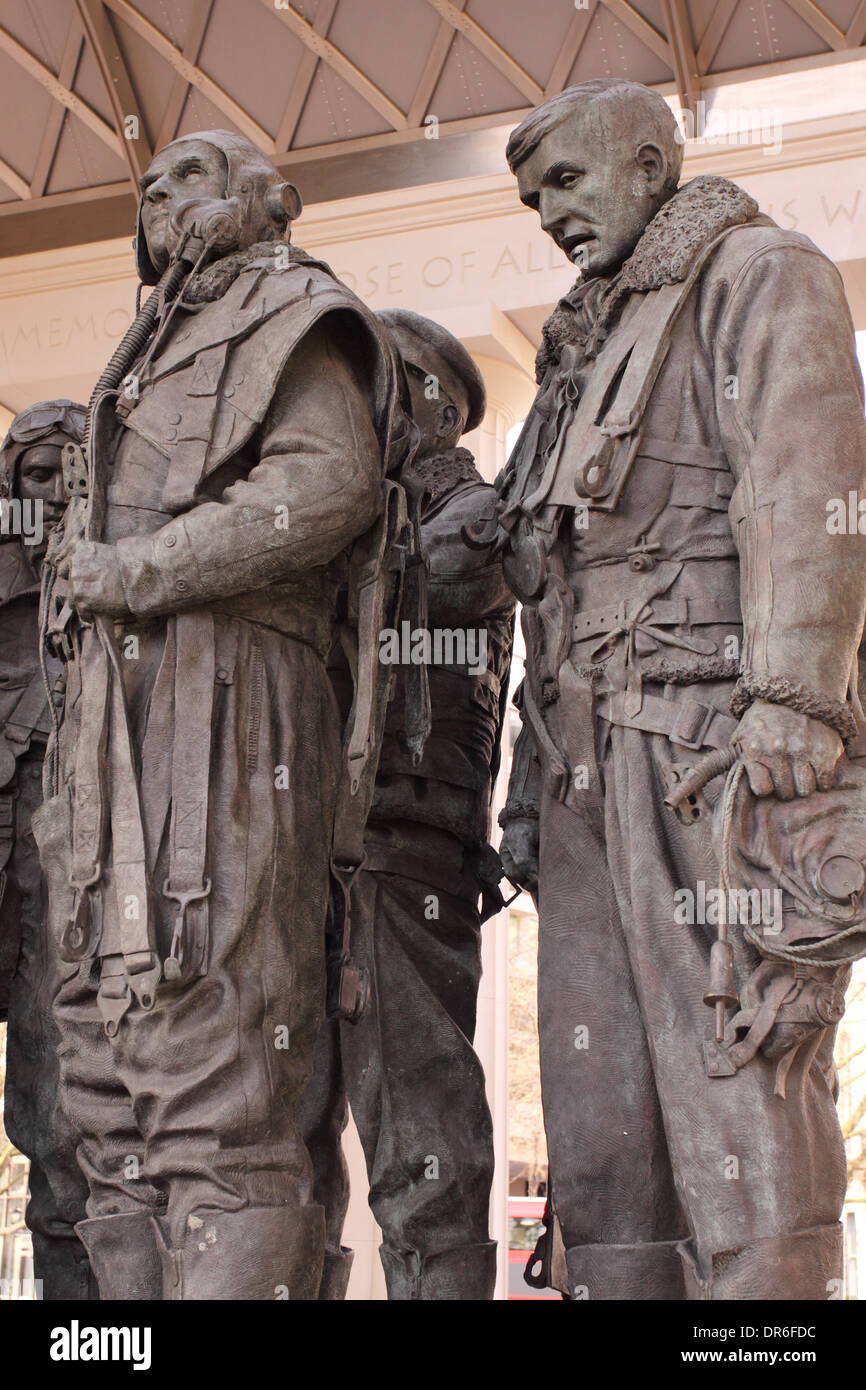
x=183 y=897
x=687 y=731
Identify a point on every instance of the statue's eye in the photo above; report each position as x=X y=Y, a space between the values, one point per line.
x=570 y=177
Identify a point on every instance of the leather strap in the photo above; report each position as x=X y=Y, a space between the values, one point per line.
x=129 y=860
x=376 y=587
x=186 y=884
x=690 y=723
x=81 y=935
x=640 y=346
x=683 y=612
x=681 y=452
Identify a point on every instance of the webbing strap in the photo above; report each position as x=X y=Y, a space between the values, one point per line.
x=690 y=723
x=129 y=860
x=186 y=884
x=89 y=807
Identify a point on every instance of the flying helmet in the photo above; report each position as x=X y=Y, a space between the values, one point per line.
x=38 y=422
x=814 y=849
x=419 y=339
x=267 y=202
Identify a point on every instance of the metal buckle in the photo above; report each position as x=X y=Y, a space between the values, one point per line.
x=697 y=741
x=174 y=961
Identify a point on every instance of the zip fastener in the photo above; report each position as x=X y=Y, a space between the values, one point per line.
x=255 y=706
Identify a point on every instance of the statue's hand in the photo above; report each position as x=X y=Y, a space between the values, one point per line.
x=65 y=536
x=786 y=752
x=519 y=852
x=94 y=580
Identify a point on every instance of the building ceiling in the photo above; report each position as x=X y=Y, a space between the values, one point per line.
x=347 y=96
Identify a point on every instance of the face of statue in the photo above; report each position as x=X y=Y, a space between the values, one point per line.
x=438 y=418
x=191 y=170
x=40 y=479
x=594 y=196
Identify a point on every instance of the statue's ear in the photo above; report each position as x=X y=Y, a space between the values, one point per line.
x=284 y=202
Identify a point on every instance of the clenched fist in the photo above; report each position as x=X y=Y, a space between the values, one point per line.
x=786 y=752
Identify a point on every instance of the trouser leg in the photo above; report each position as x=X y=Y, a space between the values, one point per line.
x=416 y=1089
x=198 y=1095
x=322 y=1115
x=610 y=1174
x=33 y=1116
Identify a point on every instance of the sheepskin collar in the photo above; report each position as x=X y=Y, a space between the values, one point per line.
x=213 y=282
x=695 y=215
x=439 y=473
x=698 y=212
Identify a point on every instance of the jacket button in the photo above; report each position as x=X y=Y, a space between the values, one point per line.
x=181 y=584
x=171 y=435
x=171 y=540
x=222 y=674
x=175 y=419
x=229 y=392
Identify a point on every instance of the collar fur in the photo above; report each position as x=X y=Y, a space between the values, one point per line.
x=439 y=473
x=697 y=213
x=213 y=282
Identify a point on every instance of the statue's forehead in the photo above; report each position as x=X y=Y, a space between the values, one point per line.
x=573 y=138
x=184 y=149
x=44 y=452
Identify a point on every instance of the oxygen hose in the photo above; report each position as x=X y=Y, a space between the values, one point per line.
x=127 y=351
x=133 y=341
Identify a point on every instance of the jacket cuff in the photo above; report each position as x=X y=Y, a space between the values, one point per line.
x=159 y=572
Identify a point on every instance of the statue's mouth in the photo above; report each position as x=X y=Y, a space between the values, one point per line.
x=570 y=244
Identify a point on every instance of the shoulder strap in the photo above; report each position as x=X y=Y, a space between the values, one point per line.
x=628 y=365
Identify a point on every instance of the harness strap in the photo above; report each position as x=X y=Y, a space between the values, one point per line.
x=687 y=722
x=83 y=931
x=186 y=884
x=683 y=612
x=129 y=861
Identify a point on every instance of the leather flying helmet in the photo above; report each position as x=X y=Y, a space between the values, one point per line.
x=268 y=204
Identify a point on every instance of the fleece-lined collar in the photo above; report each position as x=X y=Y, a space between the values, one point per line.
x=213 y=282
x=694 y=216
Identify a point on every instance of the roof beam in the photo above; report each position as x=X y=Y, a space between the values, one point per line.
x=192 y=43
x=648 y=36
x=55 y=88
x=14 y=181
x=857 y=28
x=192 y=74
x=436 y=61
x=571 y=46
x=715 y=31
x=340 y=64
x=118 y=85
x=682 y=46
x=819 y=23
x=489 y=48
x=303 y=79
x=57 y=114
